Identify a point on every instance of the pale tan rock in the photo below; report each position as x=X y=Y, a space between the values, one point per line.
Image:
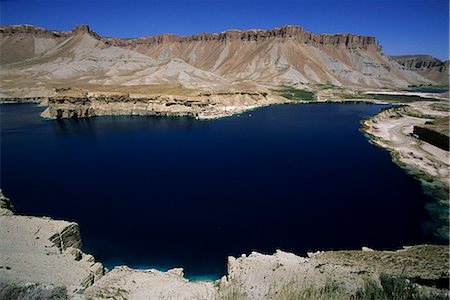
x=126 y=283
x=43 y=251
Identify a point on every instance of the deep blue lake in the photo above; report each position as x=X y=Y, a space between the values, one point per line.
x=429 y=90
x=168 y=192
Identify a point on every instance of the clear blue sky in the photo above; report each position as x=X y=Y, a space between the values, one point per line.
x=401 y=26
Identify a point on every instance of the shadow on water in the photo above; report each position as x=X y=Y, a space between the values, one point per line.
x=168 y=192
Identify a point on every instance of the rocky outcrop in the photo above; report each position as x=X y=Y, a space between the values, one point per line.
x=425 y=65
x=6 y=208
x=80 y=29
x=296 y=33
x=21 y=42
x=31 y=30
x=42 y=253
x=68 y=237
x=36 y=31
x=202 y=106
x=419 y=62
x=260 y=276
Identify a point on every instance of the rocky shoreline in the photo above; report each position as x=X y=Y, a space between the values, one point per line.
x=204 y=105
x=42 y=257
x=392 y=129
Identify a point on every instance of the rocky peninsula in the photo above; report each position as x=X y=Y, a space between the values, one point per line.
x=395 y=129
x=204 y=105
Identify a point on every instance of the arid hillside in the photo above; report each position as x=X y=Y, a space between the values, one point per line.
x=285 y=55
x=425 y=65
x=35 y=60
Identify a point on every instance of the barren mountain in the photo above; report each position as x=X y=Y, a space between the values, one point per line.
x=425 y=65
x=285 y=55
x=40 y=59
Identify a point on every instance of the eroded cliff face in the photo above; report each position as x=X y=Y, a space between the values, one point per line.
x=296 y=33
x=425 y=65
x=286 y=55
x=43 y=254
x=203 y=106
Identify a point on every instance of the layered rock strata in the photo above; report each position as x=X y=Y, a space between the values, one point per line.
x=203 y=106
x=425 y=65
x=286 y=55
x=297 y=33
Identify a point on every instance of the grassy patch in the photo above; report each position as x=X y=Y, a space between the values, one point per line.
x=292 y=93
x=388 y=287
x=331 y=291
x=33 y=291
x=234 y=290
x=326 y=86
x=396 y=287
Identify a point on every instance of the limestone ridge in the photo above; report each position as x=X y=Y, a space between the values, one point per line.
x=296 y=33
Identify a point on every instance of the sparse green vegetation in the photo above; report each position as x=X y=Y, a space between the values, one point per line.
x=292 y=93
x=111 y=293
x=396 y=287
x=331 y=291
x=387 y=288
x=234 y=290
x=326 y=86
x=34 y=291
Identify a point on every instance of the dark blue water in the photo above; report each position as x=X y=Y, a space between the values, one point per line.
x=431 y=90
x=166 y=192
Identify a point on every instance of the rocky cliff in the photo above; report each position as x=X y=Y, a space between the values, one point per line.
x=42 y=255
x=286 y=55
x=425 y=65
x=296 y=33
x=202 y=106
